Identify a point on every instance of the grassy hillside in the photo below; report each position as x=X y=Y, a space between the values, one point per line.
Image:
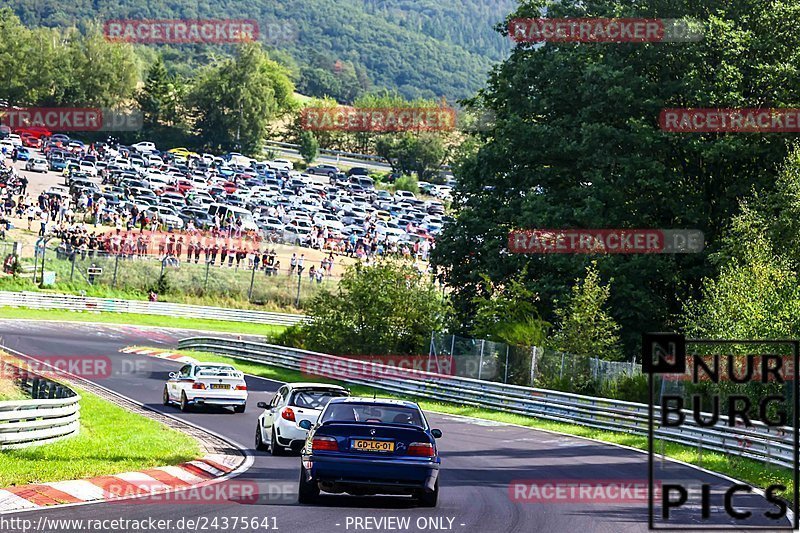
x=421 y=48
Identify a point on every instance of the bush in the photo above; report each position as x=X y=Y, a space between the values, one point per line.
x=627 y=388
x=293 y=337
x=407 y=183
x=385 y=308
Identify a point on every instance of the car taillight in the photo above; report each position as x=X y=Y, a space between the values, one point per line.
x=288 y=414
x=241 y=387
x=198 y=385
x=420 y=449
x=327 y=444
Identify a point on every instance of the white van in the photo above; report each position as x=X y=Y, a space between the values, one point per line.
x=248 y=222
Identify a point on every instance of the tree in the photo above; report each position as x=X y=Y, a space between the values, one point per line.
x=577 y=144
x=309 y=147
x=236 y=99
x=386 y=308
x=584 y=327
x=508 y=313
x=152 y=98
x=49 y=67
x=408 y=152
x=756 y=294
x=103 y=74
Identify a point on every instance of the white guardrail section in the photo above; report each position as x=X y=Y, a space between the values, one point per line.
x=760 y=442
x=38 y=300
x=52 y=415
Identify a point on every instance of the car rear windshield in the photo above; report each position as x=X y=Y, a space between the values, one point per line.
x=373 y=414
x=314 y=399
x=215 y=370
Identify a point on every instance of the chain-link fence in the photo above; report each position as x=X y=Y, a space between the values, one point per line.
x=535 y=366
x=483 y=359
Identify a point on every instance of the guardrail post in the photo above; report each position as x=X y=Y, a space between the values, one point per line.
x=561 y=372
x=505 y=379
x=252 y=280
x=35 y=260
x=480 y=363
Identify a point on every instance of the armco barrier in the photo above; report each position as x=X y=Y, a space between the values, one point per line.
x=38 y=300
x=761 y=443
x=52 y=414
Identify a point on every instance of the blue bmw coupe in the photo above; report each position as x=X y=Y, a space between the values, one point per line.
x=365 y=446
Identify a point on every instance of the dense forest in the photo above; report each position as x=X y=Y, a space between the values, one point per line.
x=337 y=48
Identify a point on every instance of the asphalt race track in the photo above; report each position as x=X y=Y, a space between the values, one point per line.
x=480 y=460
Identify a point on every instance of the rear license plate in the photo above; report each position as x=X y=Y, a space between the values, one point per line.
x=220 y=386
x=373 y=445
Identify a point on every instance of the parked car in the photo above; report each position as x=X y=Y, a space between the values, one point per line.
x=36 y=164
x=199 y=384
x=278 y=427
x=144 y=147
x=23 y=154
x=358 y=171
x=325 y=170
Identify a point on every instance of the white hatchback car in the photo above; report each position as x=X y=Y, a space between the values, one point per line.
x=198 y=384
x=278 y=426
x=37 y=164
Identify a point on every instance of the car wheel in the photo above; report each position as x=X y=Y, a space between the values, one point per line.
x=310 y=170
x=184 y=403
x=260 y=446
x=275 y=448
x=429 y=499
x=239 y=408
x=165 y=399
x=308 y=491
x=331 y=174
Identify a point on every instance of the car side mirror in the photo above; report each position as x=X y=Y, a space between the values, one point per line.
x=305 y=424
x=173 y=375
x=437 y=433
x=262 y=405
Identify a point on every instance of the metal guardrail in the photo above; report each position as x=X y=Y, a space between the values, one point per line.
x=351 y=155
x=338 y=153
x=52 y=414
x=761 y=443
x=37 y=300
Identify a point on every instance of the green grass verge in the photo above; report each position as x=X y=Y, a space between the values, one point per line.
x=221 y=326
x=753 y=472
x=112 y=440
